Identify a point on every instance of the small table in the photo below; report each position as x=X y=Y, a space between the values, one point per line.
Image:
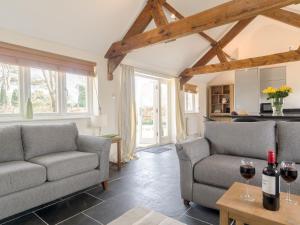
x=116 y=140
x=233 y=207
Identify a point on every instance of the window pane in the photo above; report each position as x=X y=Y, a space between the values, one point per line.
x=43 y=90
x=190 y=102
x=76 y=93
x=9 y=89
x=164 y=109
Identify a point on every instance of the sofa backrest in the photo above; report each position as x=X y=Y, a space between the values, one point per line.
x=11 y=148
x=246 y=139
x=44 y=139
x=288 y=141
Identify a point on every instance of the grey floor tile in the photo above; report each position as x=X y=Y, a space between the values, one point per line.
x=192 y=221
x=204 y=214
x=65 y=209
x=80 y=219
x=114 y=207
x=29 y=219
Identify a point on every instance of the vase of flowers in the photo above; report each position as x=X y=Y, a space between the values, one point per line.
x=277 y=95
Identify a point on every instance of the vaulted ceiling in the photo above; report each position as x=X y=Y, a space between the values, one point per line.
x=94 y=25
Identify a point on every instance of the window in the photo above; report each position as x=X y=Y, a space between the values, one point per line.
x=9 y=89
x=76 y=91
x=57 y=85
x=43 y=90
x=51 y=92
x=191 y=102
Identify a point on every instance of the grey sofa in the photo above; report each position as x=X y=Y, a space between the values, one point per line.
x=210 y=165
x=41 y=163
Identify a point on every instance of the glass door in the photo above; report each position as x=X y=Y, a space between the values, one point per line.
x=152 y=108
x=164 y=112
x=147 y=111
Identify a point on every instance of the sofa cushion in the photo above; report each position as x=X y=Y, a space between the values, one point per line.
x=45 y=139
x=223 y=170
x=19 y=175
x=289 y=141
x=248 y=139
x=11 y=148
x=66 y=164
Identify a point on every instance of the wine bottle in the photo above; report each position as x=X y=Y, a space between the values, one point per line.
x=270 y=184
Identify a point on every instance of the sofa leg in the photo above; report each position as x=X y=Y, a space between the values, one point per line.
x=105 y=185
x=186 y=202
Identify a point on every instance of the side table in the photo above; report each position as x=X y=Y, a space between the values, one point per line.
x=116 y=140
x=252 y=213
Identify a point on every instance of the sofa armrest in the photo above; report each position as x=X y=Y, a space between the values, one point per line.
x=193 y=151
x=98 y=145
x=189 y=153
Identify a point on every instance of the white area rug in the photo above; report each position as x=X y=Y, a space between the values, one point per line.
x=142 y=216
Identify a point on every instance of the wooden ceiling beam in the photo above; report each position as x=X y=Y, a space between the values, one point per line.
x=178 y=15
x=221 y=56
x=139 y=25
x=226 y=39
x=235 y=10
x=277 y=58
x=158 y=14
x=284 y=16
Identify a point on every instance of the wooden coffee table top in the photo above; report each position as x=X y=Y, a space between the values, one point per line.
x=253 y=212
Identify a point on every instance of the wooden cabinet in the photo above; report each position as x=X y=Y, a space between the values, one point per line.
x=220 y=100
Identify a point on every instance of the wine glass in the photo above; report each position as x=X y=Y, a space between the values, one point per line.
x=247 y=171
x=289 y=173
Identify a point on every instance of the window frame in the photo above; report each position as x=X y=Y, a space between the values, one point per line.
x=195 y=105
x=25 y=93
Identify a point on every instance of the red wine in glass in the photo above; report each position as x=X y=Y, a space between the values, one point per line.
x=247 y=171
x=289 y=174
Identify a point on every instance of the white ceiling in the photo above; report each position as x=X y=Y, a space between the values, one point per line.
x=93 y=25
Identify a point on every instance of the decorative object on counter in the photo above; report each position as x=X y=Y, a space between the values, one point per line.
x=29 y=109
x=277 y=95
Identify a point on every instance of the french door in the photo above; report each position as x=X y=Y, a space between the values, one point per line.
x=152 y=107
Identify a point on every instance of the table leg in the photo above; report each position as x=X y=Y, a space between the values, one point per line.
x=119 y=155
x=224 y=219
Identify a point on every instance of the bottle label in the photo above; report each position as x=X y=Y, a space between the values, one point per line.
x=269 y=184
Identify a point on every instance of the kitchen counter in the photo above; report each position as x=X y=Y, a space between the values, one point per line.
x=286 y=117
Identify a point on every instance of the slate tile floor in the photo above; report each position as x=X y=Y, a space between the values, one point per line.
x=152 y=182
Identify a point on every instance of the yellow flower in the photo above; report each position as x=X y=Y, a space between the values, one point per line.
x=269 y=90
x=285 y=88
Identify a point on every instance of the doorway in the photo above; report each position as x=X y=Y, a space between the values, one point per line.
x=152 y=108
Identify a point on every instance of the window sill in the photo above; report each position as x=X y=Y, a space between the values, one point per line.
x=40 y=118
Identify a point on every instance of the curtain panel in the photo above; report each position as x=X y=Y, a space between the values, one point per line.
x=127 y=113
x=179 y=108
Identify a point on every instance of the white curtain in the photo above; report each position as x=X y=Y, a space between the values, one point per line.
x=179 y=107
x=127 y=113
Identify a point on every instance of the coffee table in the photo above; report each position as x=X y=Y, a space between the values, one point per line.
x=233 y=207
